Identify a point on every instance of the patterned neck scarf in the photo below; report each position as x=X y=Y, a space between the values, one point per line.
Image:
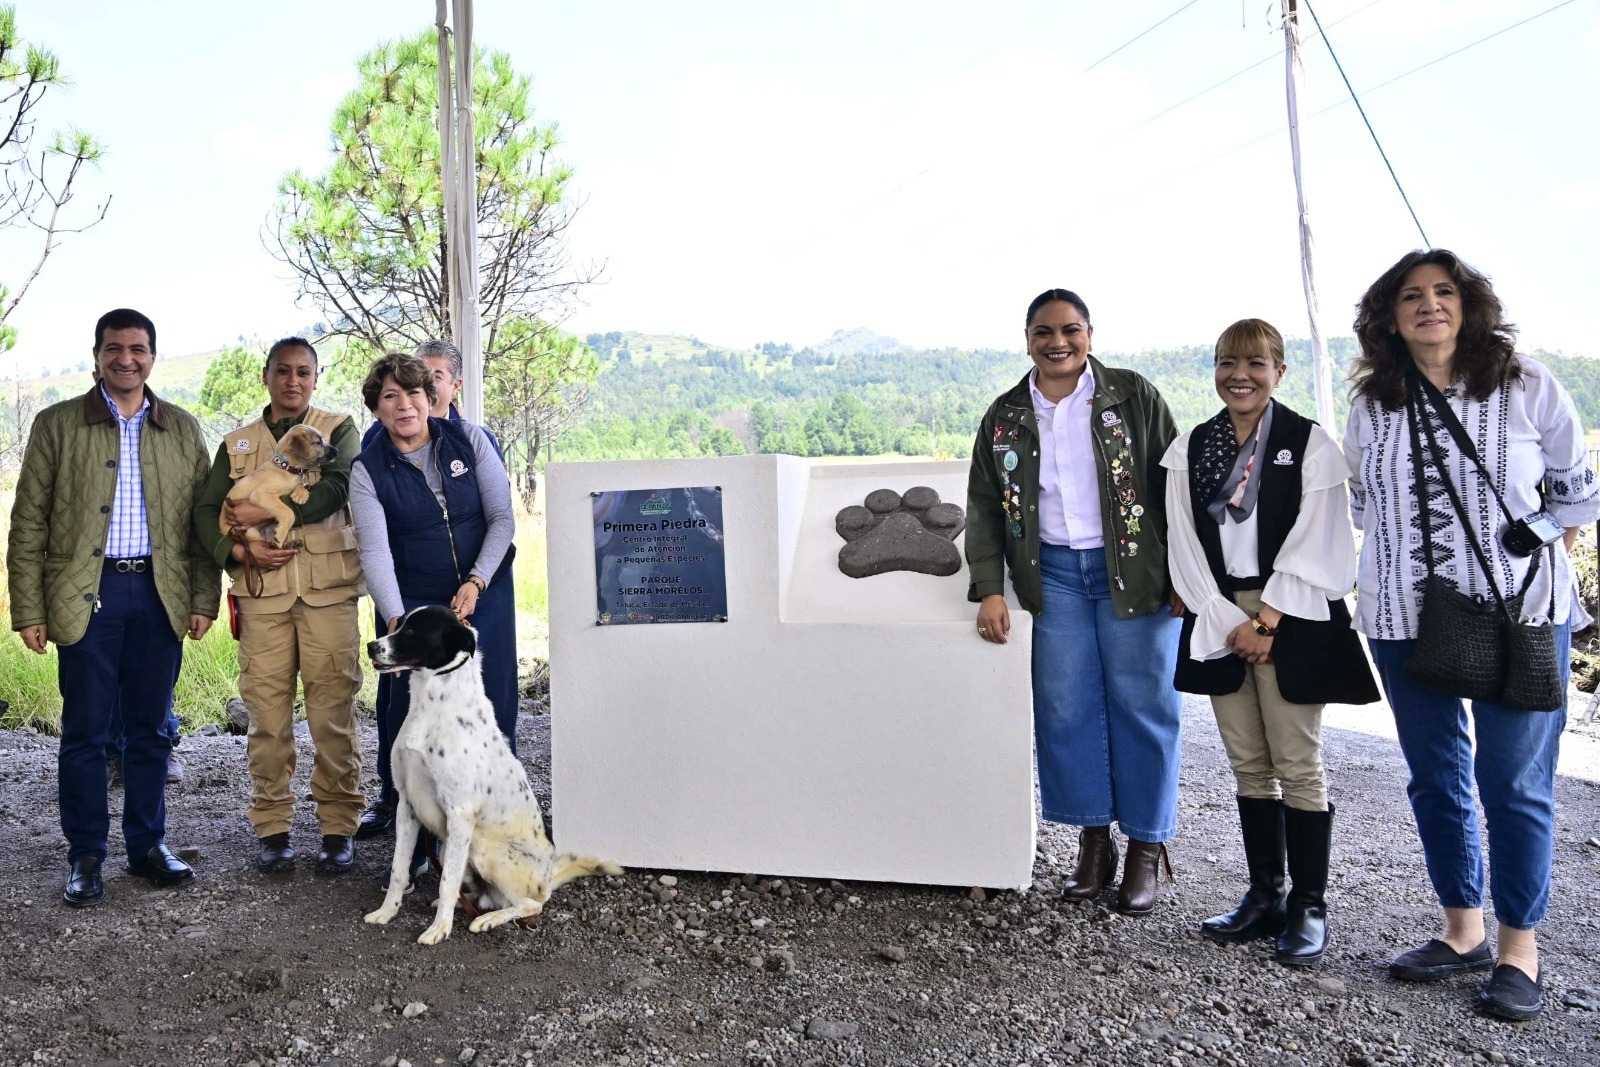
x=1228 y=474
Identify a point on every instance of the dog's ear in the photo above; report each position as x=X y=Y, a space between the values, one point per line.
x=568 y=868
x=460 y=638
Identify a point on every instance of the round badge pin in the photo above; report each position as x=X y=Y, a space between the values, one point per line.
x=1011 y=460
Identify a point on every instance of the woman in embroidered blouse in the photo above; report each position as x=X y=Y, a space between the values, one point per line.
x=1431 y=313
x=1263 y=555
x=1067 y=492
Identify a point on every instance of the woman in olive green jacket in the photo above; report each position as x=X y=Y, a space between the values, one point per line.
x=1067 y=491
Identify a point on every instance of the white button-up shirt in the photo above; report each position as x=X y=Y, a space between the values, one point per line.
x=1069 y=482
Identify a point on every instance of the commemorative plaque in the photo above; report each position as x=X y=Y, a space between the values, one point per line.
x=658 y=556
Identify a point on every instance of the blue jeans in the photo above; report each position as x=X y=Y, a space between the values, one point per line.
x=127 y=660
x=1107 y=722
x=1515 y=768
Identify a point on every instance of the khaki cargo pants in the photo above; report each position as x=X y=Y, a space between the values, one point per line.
x=321 y=646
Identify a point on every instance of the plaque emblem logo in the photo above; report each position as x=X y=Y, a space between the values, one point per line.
x=655 y=505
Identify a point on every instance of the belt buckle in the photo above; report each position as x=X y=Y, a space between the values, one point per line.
x=130 y=566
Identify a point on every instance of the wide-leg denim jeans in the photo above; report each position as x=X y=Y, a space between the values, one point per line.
x=1107 y=722
x=1515 y=768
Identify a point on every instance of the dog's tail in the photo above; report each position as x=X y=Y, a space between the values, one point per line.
x=569 y=868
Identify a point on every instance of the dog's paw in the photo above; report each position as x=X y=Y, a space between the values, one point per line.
x=487 y=921
x=900 y=533
x=382 y=915
x=299 y=494
x=434 y=934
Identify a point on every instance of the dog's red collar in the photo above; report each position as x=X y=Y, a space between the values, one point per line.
x=283 y=464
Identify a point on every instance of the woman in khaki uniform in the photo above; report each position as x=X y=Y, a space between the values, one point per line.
x=304 y=621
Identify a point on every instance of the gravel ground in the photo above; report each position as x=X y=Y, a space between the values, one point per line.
x=657 y=967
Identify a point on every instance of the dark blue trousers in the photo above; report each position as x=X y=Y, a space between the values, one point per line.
x=495 y=619
x=127 y=660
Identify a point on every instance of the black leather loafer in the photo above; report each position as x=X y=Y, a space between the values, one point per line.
x=1510 y=994
x=376 y=821
x=84 y=887
x=338 y=854
x=1436 y=961
x=275 y=855
x=160 y=866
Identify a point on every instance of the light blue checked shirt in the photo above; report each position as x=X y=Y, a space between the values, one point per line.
x=130 y=527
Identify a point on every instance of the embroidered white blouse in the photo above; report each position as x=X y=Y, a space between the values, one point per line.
x=1316 y=564
x=1526 y=433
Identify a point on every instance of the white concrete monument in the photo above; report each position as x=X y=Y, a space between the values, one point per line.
x=832 y=727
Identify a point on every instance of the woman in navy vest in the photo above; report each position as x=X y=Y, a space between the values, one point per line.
x=432 y=505
x=1263 y=555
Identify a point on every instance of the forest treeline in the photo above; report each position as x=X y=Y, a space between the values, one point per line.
x=700 y=400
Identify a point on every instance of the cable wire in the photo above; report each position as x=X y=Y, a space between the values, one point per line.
x=1277 y=54
x=1374 y=133
x=1381 y=85
x=1130 y=40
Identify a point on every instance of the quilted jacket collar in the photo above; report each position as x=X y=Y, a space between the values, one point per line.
x=96 y=408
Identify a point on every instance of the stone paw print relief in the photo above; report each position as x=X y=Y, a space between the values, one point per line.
x=900 y=533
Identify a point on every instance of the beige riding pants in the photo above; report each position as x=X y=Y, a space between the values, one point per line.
x=1275 y=747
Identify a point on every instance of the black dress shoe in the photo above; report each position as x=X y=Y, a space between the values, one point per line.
x=1436 y=960
x=1510 y=994
x=160 y=866
x=338 y=854
x=84 y=887
x=275 y=855
x=376 y=821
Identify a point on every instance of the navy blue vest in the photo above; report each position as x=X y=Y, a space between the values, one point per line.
x=1317 y=662
x=434 y=548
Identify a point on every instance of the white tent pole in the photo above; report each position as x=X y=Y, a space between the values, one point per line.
x=447 y=158
x=465 y=238
x=1321 y=370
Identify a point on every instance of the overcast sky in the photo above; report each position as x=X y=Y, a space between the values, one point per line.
x=756 y=171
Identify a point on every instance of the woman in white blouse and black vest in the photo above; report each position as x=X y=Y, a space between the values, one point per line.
x=1434 y=339
x=1263 y=556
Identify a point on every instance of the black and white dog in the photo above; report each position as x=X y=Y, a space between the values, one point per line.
x=457 y=777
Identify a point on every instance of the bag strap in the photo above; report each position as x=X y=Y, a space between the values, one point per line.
x=1415 y=415
x=1458 y=433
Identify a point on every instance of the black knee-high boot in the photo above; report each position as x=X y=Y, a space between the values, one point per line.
x=1309 y=836
x=1261 y=912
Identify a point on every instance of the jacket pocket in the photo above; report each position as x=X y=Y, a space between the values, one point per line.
x=335 y=557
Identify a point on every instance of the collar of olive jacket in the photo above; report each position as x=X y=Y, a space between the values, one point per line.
x=97 y=406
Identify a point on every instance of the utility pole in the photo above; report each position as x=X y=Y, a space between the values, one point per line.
x=1321 y=371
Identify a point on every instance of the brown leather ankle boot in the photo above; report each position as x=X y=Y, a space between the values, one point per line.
x=1097 y=864
x=1137 y=893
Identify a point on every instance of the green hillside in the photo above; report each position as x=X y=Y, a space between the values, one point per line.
x=666 y=396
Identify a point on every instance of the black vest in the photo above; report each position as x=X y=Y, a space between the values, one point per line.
x=1317 y=662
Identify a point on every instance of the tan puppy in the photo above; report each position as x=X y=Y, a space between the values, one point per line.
x=294 y=468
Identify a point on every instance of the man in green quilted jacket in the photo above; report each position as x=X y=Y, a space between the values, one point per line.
x=103 y=562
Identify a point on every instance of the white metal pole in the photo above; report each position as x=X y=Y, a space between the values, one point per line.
x=447 y=160
x=1321 y=370
x=465 y=240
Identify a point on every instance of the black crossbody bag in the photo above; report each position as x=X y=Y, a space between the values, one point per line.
x=1467 y=647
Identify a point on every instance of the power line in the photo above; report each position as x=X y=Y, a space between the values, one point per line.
x=1238 y=73
x=1463 y=48
x=1381 y=85
x=1374 y=133
x=1142 y=33
x=1134 y=38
